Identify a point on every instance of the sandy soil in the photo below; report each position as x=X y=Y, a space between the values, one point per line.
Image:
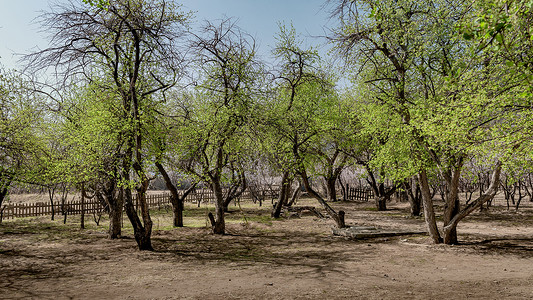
x=293 y=258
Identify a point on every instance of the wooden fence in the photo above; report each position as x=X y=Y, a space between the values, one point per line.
x=359 y=194
x=90 y=206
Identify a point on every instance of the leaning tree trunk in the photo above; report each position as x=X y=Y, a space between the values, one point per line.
x=235 y=190
x=338 y=217
x=381 y=196
x=177 y=207
x=295 y=194
x=429 y=212
x=283 y=191
x=344 y=190
x=142 y=233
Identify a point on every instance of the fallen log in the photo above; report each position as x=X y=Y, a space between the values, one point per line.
x=358 y=232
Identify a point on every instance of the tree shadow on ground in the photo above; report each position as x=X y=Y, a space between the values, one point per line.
x=316 y=254
x=520 y=247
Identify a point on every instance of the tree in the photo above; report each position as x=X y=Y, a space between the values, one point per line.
x=405 y=52
x=213 y=139
x=168 y=157
x=134 y=45
x=85 y=151
x=499 y=35
x=21 y=146
x=301 y=113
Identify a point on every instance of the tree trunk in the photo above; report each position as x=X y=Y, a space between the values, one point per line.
x=115 y=205
x=176 y=201
x=468 y=209
x=295 y=194
x=344 y=191
x=330 y=189
x=276 y=211
x=414 y=197
x=450 y=237
x=234 y=192
x=429 y=212
x=51 y=192
x=218 y=224
x=338 y=217
x=380 y=195
x=381 y=203
x=3 y=194
x=452 y=205
x=115 y=216
x=82 y=217
x=142 y=233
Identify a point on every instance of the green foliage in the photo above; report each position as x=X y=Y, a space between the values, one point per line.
x=97 y=3
x=301 y=121
x=22 y=148
x=502 y=78
x=88 y=136
x=211 y=138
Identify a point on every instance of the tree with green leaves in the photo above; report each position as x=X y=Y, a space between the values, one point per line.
x=214 y=137
x=405 y=53
x=169 y=160
x=299 y=117
x=134 y=44
x=87 y=144
x=21 y=144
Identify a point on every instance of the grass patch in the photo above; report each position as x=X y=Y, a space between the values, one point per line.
x=370 y=208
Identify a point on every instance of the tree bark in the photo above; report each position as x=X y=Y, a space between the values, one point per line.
x=276 y=211
x=429 y=212
x=343 y=190
x=115 y=205
x=51 y=192
x=82 y=217
x=235 y=190
x=176 y=201
x=381 y=196
x=295 y=194
x=219 y=226
x=452 y=205
x=468 y=209
x=330 y=189
x=3 y=194
x=142 y=233
x=337 y=217
x=414 y=197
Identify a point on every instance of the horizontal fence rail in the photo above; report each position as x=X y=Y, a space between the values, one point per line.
x=93 y=206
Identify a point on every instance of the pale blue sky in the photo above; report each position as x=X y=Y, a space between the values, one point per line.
x=19 y=33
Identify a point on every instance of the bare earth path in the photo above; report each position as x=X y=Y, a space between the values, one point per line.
x=295 y=258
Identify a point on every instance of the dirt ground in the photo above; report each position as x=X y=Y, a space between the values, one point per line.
x=260 y=258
